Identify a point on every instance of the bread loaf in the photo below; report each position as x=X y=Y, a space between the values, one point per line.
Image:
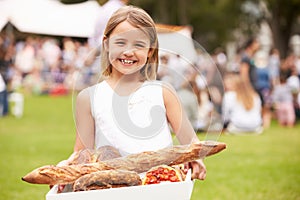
x=107 y=179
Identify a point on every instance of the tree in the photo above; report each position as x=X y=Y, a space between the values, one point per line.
x=282 y=18
x=212 y=20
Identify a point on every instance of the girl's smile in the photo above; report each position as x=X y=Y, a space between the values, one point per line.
x=127 y=62
x=128 y=48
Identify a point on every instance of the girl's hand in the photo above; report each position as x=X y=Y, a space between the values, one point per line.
x=198 y=169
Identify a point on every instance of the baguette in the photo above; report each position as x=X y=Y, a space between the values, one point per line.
x=107 y=179
x=140 y=162
x=52 y=175
x=174 y=155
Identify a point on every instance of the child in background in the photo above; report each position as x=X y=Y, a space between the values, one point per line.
x=241 y=106
x=129 y=109
x=283 y=101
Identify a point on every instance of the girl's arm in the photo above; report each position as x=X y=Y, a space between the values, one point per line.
x=84 y=121
x=177 y=117
x=182 y=128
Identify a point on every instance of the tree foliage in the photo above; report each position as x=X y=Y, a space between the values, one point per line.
x=212 y=20
x=215 y=22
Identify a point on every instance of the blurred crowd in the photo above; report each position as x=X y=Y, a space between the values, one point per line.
x=241 y=94
x=41 y=65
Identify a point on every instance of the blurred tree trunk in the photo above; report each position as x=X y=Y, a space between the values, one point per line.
x=182 y=12
x=282 y=20
x=162 y=14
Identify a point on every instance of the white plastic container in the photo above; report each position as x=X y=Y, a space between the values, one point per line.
x=163 y=191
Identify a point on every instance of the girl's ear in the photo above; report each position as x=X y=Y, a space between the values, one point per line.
x=150 y=52
x=105 y=43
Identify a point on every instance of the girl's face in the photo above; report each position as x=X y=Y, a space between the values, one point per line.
x=128 y=48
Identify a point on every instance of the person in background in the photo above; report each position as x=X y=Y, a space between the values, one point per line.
x=247 y=65
x=25 y=57
x=4 y=66
x=283 y=101
x=95 y=41
x=107 y=112
x=3 y=96
x=249 y=72
x=263 y=86
x=106 y=10
x=274 y=66
x=297 y=107
x=289 y=66
x=241 y=106
x=189 y=98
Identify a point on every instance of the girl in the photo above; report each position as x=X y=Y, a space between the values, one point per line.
x=241 y=106
x=129 y=110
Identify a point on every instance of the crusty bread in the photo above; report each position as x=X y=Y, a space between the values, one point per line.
x=140 y=162
x=107 y=179
x=174 y=155
x=52 y=175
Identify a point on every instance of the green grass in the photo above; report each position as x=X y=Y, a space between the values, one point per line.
x=259 y=167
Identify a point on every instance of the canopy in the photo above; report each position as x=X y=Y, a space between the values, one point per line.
x=50 y=17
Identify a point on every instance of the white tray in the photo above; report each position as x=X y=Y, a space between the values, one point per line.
x=163 y=191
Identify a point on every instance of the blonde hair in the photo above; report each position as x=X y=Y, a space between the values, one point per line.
x=244 y=91
x=138 y=18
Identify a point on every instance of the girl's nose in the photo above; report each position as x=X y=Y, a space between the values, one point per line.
x=129 y=52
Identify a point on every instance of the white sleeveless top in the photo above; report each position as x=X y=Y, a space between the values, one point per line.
x=133 y=123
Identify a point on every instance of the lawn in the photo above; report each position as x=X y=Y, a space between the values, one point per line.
x=252 y=167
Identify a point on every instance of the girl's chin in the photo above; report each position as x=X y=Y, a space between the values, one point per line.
x=129 y=70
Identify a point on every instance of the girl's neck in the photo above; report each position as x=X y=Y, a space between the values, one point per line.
x=125 y=79
x=126 y=84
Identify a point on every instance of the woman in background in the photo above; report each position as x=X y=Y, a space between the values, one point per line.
x=241 y=106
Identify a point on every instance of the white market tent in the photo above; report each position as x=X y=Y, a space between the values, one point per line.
x=51 y=17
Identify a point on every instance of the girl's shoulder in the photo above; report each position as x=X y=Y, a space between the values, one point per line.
x=88 y=91
x=168 y=92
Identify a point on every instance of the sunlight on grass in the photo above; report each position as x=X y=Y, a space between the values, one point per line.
x=256 y=167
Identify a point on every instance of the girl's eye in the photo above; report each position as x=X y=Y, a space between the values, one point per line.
x=120 y=43
x=139 y=45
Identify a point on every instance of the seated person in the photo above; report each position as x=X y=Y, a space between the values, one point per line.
x=241 y=106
